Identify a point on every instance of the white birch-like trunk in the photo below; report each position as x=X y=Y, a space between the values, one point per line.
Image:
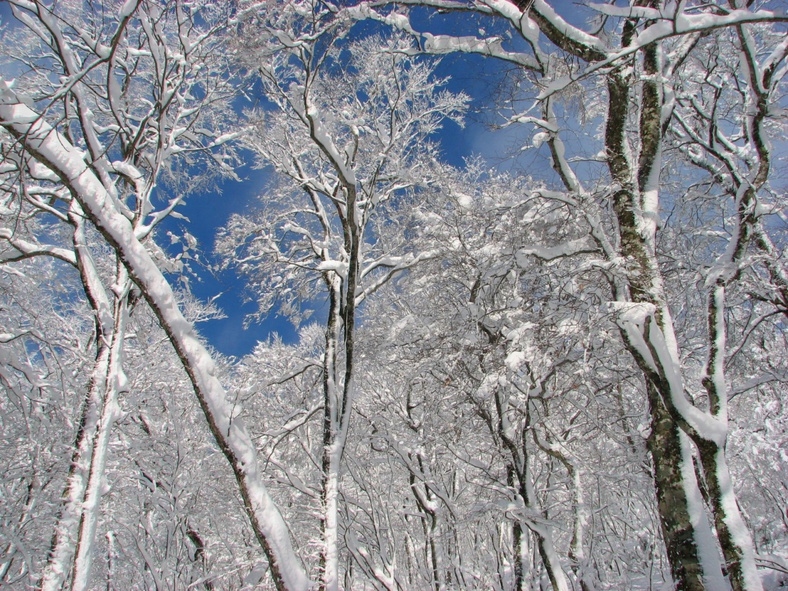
x=111 y=558
x=65 y=538
x=542 y=531
x=546 y=548
x=114 y=383
x=331 y=528
x=332 y=450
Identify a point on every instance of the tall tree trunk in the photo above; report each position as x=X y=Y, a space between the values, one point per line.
x=64 y=540
x=329 y=554
x=114 y=383
x=337 y=393
x=338 y=390
x=685 y=528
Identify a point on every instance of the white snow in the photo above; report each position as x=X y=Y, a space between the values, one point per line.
x=549 y=253
x=127 y=9
x=442 y=44
x=465 y=201
x=515 y=360
x=339 y=267
x=539 y=138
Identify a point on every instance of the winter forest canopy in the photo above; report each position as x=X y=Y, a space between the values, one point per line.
x=567 y=370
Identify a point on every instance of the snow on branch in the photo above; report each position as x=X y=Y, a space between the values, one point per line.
x=492 y=47
x=28 y=249
x=664 y=29
x=567 y=37
x=684 y=23
x=549 y=253
x=637 y=321
x=393 y=265
x=445 y=44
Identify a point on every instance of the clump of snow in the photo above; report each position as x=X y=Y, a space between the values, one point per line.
x=465 y=201
x=539 y=139
x=515 y=360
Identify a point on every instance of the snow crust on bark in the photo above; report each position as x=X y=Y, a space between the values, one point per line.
x=67 y=528
x=704 y=538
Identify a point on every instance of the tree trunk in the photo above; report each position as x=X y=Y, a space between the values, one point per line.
x=65 y=538
x=544 y=537
x=684 y=524
x=329 y=556
x=665 y=442
x=115 y=381
x=54 y=150
x=732 y=532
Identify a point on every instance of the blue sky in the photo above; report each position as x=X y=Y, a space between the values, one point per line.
x=207 y=212
x=477 y=76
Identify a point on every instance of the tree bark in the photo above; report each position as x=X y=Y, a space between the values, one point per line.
x=666 y=443
x=684 y=525
x=67 y=527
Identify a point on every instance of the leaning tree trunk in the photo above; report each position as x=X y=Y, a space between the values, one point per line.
x=114 y=383
x=54 y=150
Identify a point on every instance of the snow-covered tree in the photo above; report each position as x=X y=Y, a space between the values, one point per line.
x=633 y=57
x=112 y=107
x=563 y=377
x=348 y=130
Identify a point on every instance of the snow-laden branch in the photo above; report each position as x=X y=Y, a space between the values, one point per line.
x=392 y=265
x=549 y=253
x=54 y=150
x=27 y=249
x=566 y=36
x=643 y=333
x=683 y=22
x=491 y=47
x=666 y=29
x=445 y=44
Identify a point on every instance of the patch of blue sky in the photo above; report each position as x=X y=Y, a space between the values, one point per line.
x=208 y=212
x=502 y=147
x=480 y=77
